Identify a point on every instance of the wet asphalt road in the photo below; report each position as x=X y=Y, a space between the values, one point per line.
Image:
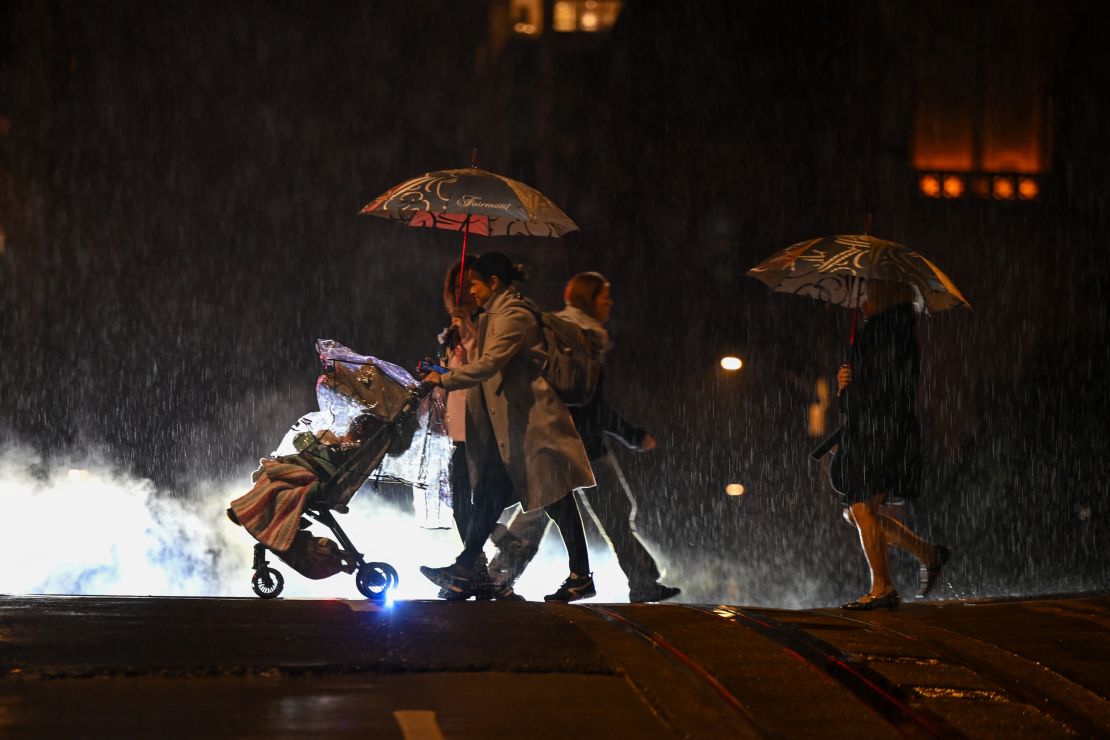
x=177 y=667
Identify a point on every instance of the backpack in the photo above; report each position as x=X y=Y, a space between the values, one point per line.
x=573 y=362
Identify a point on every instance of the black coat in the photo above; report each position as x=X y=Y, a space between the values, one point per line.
x=880 y=441
x=597 y=418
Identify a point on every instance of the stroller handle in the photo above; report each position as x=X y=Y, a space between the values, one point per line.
x=421 y=391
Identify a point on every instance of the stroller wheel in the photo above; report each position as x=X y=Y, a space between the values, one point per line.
x=267 y=583
x=374 y=580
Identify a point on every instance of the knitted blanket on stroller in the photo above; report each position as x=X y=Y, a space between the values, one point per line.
x=271 y=510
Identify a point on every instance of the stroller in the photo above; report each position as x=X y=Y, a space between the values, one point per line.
x=374 y=417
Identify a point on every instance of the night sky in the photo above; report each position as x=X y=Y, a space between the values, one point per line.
x=180 y=195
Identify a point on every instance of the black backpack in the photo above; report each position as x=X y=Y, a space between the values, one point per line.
x=573 y=363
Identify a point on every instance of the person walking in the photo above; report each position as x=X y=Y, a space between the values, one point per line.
x=589 y=302
x=879 y=452
x=520 y=440
x=458 y=345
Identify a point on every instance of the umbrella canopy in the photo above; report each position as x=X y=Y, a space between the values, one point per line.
x=833 y=269
x=472 y=200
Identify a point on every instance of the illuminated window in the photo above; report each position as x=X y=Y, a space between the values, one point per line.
x=953 y=186
x=526 y=16
x=588 y=16
x=980 y=126
x=1003 y=188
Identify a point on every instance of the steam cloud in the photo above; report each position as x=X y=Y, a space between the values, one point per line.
x=80 y=527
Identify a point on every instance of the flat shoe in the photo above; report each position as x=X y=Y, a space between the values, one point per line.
x=886 y=601
x=930 y=574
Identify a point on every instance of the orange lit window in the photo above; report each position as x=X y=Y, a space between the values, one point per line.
x=980 y=110
x=930 y=185
x=589 y=16
x=1004 y=188
x=953 y=186
x=526 y=16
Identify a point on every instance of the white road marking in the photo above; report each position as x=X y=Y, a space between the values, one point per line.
x=418 y=724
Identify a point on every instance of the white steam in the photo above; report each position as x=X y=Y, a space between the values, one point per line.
x=79 y=527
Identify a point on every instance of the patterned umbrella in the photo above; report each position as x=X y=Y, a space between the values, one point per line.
x=472 y=201
x=834 y=268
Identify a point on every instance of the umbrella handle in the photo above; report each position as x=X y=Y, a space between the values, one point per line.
x=462 y=262
x=856 y=284
x=855 y=320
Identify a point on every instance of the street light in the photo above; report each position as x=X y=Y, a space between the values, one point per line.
x=731 y=363
x=734 y=489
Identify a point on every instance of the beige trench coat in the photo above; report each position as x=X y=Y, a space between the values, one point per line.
x=533 y=430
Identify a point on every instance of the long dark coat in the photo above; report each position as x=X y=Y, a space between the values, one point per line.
x=880 y=441
x=512 y=412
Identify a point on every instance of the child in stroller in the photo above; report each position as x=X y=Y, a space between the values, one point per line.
x=368 y=409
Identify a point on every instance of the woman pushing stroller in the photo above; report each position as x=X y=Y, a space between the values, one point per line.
x=521 y=443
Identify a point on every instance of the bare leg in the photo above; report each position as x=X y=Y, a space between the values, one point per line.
x=904 y=538
x=874 y=544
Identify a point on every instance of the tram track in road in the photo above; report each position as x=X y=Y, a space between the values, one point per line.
x=1075 y=707
x=1024 y=668
x=867 y=685
x=669 y=651
x=947 y=682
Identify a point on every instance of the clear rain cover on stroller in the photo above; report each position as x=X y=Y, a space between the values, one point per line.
x=354 y=385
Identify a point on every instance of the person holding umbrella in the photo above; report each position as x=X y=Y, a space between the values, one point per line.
x=878 y=447
x=879 y=453
x=521 y=443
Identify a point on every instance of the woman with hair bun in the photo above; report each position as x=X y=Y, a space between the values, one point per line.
x=521 y=444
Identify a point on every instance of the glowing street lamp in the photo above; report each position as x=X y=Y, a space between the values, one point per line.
x=734 y=489
x=731 y=363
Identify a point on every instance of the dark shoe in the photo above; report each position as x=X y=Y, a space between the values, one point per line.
x=865 y=604
x=485 y=588
x=653 y=592
x=513 y=555
x=456 y=593
x=929 y=574
x=575 y=587
x=497 y=592
x=454 y=584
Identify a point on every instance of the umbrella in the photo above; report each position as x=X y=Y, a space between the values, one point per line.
x=831 y=269
x=834 y=268
x=472 y=201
